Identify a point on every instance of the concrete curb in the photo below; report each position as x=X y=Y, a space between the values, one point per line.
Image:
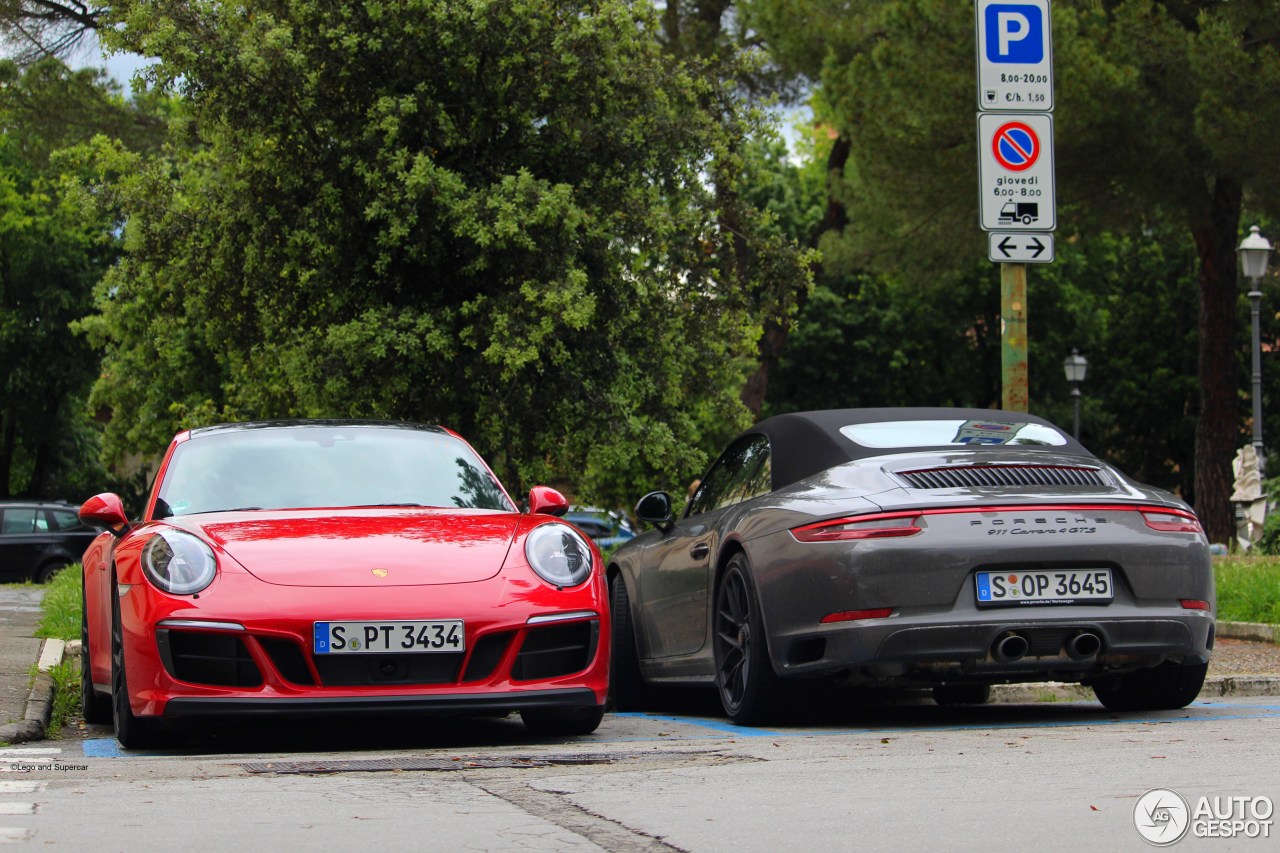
x=35 y=718
x=1216 y=686
x=1255 y=631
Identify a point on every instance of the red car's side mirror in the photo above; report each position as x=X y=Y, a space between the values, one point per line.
x=548 y=501
x=105 y=510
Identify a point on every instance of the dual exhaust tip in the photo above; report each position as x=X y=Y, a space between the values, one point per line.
x=1012 y=646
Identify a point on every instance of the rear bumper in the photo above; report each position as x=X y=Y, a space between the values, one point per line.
x=476 y=703
x=893 y=652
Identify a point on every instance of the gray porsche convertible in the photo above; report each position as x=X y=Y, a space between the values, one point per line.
x=949 y=549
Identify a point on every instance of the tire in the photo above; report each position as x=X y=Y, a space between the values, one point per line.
x=93 y=707
x=627 y=690
x=1166 y=687
x=45 y=573
x=562 y=721
x=750 y=690
x=962 y=694
x=132 y=731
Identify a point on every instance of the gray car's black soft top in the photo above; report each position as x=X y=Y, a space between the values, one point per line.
x=804 y=443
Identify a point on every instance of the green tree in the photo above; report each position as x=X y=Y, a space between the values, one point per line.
x=53 y=249
x=492 y=215
x=1163 y=114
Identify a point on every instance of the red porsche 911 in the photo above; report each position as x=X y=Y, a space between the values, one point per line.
x=337 y=567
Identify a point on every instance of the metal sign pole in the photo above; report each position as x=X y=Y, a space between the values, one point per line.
x=1013 y=337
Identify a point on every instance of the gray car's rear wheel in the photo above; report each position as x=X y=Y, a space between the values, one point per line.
x=627 y=690
x=749 y=688
x=1166 y=687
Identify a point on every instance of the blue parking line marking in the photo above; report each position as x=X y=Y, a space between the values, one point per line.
x=725 y=727
x=705 y=722
x=103 y=747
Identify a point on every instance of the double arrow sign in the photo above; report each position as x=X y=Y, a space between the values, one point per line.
x=1020 y=248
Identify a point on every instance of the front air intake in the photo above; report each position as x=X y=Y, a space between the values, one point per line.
x=1002 y=476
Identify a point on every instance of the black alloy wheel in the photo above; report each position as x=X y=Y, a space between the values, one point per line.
x=132 y=731
x=94 y=708
x=750 y=690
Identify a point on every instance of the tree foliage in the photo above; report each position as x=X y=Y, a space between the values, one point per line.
x=492 y=215
x=53 y=249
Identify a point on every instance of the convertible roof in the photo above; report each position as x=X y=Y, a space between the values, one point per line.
x=805 y=443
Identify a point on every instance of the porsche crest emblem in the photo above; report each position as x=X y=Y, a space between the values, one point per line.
x=380 y=573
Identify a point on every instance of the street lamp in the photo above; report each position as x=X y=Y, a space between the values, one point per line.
x=1075 y=366
x=1254 y=253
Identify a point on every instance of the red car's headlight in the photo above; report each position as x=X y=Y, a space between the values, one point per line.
x=178 y=562
x=558 y=554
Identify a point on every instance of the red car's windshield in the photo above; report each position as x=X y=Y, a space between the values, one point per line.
x=298 y=467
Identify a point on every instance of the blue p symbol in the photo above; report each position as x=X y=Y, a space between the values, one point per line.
x=1014 y=34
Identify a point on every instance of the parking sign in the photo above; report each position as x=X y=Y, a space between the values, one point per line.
x=1015 y=56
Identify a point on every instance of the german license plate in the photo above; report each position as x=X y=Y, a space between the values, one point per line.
x=1061 y=586
x=332 y=638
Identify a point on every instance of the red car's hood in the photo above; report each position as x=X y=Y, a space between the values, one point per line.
x=361 y=547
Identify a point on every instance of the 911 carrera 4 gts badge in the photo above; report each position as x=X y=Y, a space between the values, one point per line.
x=380 y=573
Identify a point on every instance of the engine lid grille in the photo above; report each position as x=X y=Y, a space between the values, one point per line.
x=1002 y=476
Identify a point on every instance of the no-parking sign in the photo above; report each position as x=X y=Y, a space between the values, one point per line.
x=1015 y=172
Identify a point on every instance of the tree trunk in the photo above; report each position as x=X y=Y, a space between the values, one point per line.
x=774 y=337
x=1215 y=227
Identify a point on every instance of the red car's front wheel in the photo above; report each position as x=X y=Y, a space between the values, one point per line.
x=132 y=731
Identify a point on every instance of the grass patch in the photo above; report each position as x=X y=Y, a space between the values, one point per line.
x=66 y=696
x=1248 y=589
x=61 y=606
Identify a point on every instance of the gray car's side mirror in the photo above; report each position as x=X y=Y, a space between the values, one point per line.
x=656 y=509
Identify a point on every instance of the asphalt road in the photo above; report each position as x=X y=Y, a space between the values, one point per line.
x=1044 y=776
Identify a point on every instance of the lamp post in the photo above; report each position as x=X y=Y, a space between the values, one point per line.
x=1075 y=366
x=1254 y=253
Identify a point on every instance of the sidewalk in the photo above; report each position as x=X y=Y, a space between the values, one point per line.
x=25 y=703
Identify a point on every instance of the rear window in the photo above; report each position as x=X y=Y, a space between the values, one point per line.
x=941 y=433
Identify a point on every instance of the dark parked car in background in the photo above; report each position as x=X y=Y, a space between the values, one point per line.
x=38 y=538
x=606 y=528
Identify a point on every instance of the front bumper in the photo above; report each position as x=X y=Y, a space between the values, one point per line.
x=245 y=647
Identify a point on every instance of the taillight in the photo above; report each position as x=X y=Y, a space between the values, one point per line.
x=1193 y=604
x=1172 y=521
x=880 y=526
